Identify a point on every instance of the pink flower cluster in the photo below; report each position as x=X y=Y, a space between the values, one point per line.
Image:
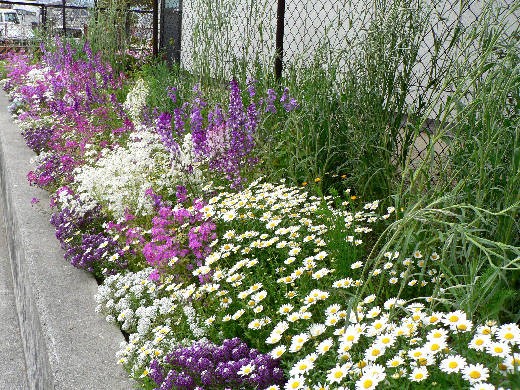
x=181 y=238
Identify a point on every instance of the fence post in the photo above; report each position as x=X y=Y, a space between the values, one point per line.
x=155 y=28
x=44 y=17
x=280 y=23
x=63 y=21
x=170 y=30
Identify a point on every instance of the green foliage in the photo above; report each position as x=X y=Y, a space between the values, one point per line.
x=108 y=33
x=3 y=70
x=477 y=181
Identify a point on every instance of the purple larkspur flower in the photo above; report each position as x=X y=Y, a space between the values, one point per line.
x=164 y=129
x=172 y=93
x=289 y=103
x=270 y=100
x=178 y=122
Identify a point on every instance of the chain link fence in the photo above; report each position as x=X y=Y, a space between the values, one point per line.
x=415 y=42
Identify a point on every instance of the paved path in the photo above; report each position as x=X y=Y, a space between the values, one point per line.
x=12 y=362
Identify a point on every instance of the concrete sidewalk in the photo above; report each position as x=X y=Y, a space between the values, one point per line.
x=66 y=345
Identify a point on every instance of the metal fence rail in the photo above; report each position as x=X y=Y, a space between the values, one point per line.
x=35 y=20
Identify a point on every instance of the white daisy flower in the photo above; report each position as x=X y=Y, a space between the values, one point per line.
x=509 y=333
x=295 y=383
x=396 y=361
x=324 y=346
x=336 y=374
x=483 y=386
x=278 y=351
x=512 y=363
x=475 y=373
x=366 y=382
x=316 y=330
x=498 y=349
x=480 y=342
x=374 y=352
x=452 y=364
x=418 y=374
x=246 y=370
x=301 y=367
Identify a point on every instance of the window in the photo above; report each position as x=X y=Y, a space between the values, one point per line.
x=11 y=17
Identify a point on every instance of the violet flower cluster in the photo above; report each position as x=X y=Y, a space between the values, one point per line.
x=52 y=169
x=97 y=253
x=37 y=138
x=85 y=247
x=204 y=365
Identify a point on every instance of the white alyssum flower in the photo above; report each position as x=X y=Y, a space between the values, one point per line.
x=136 y=100
x=120 y=179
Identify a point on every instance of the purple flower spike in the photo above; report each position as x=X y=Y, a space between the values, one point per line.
x=289 y=103
x=164 y=129
x=172 y=93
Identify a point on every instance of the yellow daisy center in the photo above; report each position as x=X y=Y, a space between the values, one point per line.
x=475 y=374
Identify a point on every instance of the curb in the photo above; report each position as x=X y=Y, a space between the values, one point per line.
x=66 y=344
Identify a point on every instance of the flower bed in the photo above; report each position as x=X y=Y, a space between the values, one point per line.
x=219 y=278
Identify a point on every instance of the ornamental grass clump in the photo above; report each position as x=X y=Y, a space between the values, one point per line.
x=204 y=365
